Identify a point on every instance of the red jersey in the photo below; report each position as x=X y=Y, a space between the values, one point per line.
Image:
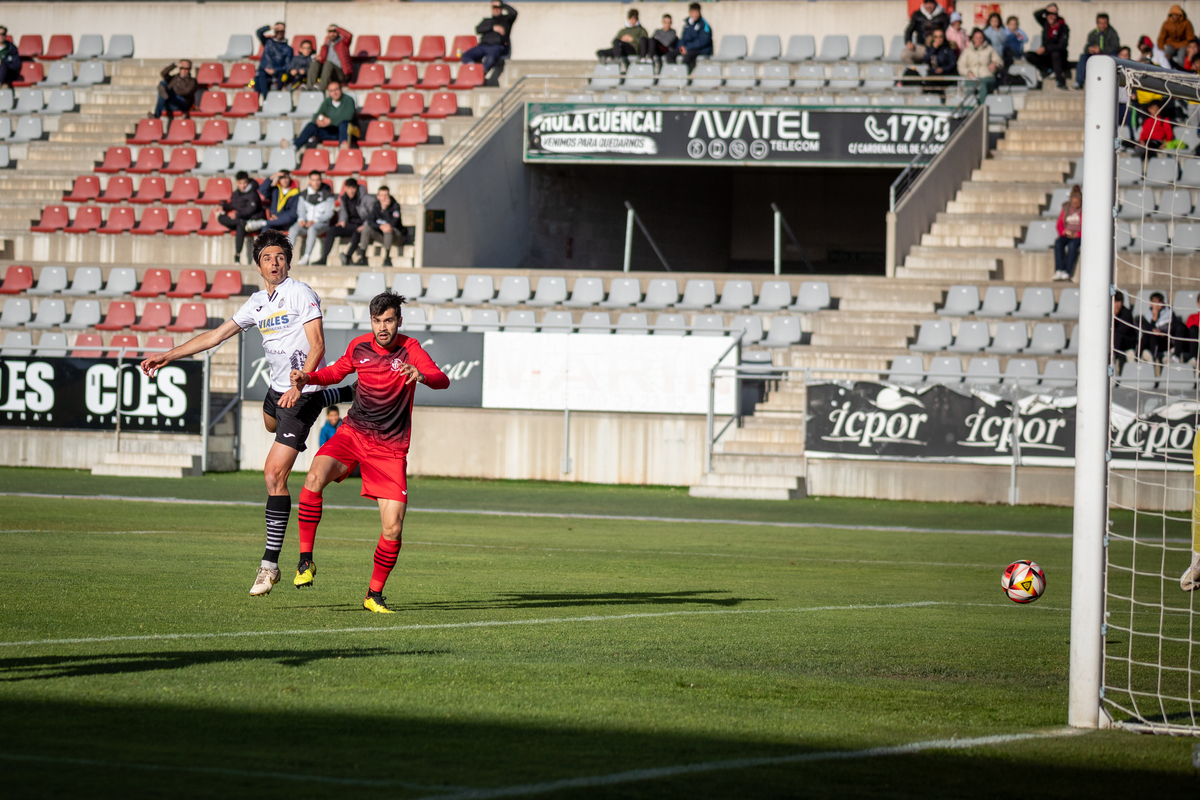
x=382 y=409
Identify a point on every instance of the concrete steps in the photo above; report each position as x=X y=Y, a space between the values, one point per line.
x=148 y=465
x=749 y=487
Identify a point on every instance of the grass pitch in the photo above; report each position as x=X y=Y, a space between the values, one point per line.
x=539 y=656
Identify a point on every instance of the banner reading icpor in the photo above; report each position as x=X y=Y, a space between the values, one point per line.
x=715 y=134
x=89 y=393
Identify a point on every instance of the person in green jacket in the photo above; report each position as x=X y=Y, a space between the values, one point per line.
x=335 y=119
x=627 y=41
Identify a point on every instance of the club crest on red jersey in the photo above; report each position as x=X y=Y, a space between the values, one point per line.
x=397 y=363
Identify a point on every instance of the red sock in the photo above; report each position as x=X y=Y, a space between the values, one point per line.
x=310 y=518
x=385 y=559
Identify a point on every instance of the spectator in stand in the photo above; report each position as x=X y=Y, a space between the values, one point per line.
x=280 y=200
x=697 y=39
x=1158 y=328
x=1175 y=33
x=383 y=223
x=1070 y=226
x=1051 y=57
x=335 y=119
x=333 y=418
x=1123 y=101
x=663 y=44
x=981 y=63
x=995 y=32
x=276 y=56
x=955 y=35
x=1125 y=330
x=942 y=61
x=314 y=211
x=1014 y=45
x=298 y=67
x=10 y=59
x=1149 y=53
x=495 y=42
x=1191 y=56
x=176 y=90
x=921 y=25
x=627 y=42
x=1156 y=131
x=1103 y=41
x=243 y=212
x=1190 y=346
x=332 y=64
x=352 y=214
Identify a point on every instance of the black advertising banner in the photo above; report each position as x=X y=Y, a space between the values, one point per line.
x=742 y=134
x=460 y=355
x=84 y=394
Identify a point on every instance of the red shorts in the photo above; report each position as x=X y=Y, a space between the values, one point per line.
x=383 y=471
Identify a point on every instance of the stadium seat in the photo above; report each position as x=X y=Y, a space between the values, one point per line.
x=998 y=301
x=906 y=370
x=1183 y=303
x=972 y=337
x=279 y=130
x=158 y=344
x=31 y=73
x=122 y=346
x=17 y=279
x=741 y=77
x=1186 y=238
x=671 y=76
x=437 y=76
x=148 y=131
x=697 y=295
x=587 y=292
x=51 y=345
x=375 y=104
x=17 y=343
x=766 y=48
x=1174 y=379
x=1068 y=305
x=773 y=296
x=121 y=281
x=407 y=284
x=216 y=191
x=514 y=291
x=460 y=45
x=150 y=190
x=784 y=332
x=477 y=289
x=149 y=159
x=182 y=131
x=731 y=48
x=622 y=293
x=404 y=76
x=383 y=162
x=300 y=38
x=1020 y=372
x=91 y=74
x=87 y=219
x=59 y=101
x=365 y=46
x=844 y=78
x=379 y=132
x=551 y=291
x=945 y=370
x=184 y=190
x=735 y=296
x=91 y=45
x=605 y=76
x=87 y=281
x=248 y=160
x=706 y=77
x=1124 y=237
x=880 y=78
x=398 y=48
x=54 y=218
x=6 y=106
x=413 y=320
x=1000 y=106
x=1036 y=302
x=1174 y=204
x=29 y=101
x=240 y=76
x=1011 y=337
x=307 y=105
x=191 y=281
x=87 y=345
x=120 y=46
x=27 y=129
x=349 y=162
x=557 y=322
x=118 y=190
x=801 y=47
x=211 y=104
x=661 y=293
x=214 y=161
x=192 y=316
x=834 y=47
x=707 y=325
x=639 y=77
x=30 y=46
x=366 y=286
x=983 y=372
x=594 y=322
x=868 y=49
x=961 y=301
x=187 y=220
x=813 y=296
x=121 y=314
x=226 y=283
x=446 y=320
x=85 y=314
x=281 y=158
x=210 y=74
x=440 y=288
x=518 y=321
x=1162 y=171
x=154 y=220
x=51 y=280
x=809 y=77
x=775 y=78
x=370 y=76
x=441 y=105
x=1061 y=375
x=933 y=337
x=483 y=320
x=469 y=76
x=1048 y=338
x=748 y=327
x=316 y=159
x=1151 y=238
x=154 y=317
x=338 y=318
x=412 y=133
x=632 y=324
x=246 y=132
x=432 y=48
x=276 y=104
x=408 y=104
x=241 y=45
x=60 y=46
x=244 y=104
x=669 y=325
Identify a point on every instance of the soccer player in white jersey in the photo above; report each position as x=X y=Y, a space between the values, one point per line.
x=288 y=314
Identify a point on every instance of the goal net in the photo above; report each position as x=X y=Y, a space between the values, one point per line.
x=1140 y=279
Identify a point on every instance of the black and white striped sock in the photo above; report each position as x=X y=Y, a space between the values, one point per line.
x=279 y=508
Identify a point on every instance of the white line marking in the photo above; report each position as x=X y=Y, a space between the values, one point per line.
x=655 y=773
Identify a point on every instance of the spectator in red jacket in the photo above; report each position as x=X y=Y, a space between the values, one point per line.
x=1156 y=131
x=333 y=62
x=1070 y=226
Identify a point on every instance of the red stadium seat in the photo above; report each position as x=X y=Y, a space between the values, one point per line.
x=182 y=131
x=154 y=283
x=461 y=45
x=119 y=189
x=31 y=73
x=149 y=131
x=469 y=76
x=122 y=340
x=121 y=314
x=152 y=189
x=30 y=46
x=408 y=104
x=216 y=191
x=184 y=190
x=191 y=316
x=213 y=228
x=120 y=220
x=413 y=133
x=210 y=74
x=348 y=162
x=244 y=104
x=87 y=187
x=369 y=76
x=316 y=159
x=93 y=341
x=187 y=220
x=183 y=159
x=87 y=219
x=303 y=37
x=404 y=76
x=442 y=105
x=154 y=220
x=116 y=159
x=257 y=56
x=398 y=49
x=379 y=133
x=211 y=103
x=154 y=316
x=437 y=76
x=54 y=218
x=149 y=159
x=375 y=104
x=240 y=76
x=61 y=45
x=432 y=48
x=159 y=343
x=191 y=281
x=215 y=131
x=225 y=283
x=383 y=162
x=365 y=47
x=16 y=280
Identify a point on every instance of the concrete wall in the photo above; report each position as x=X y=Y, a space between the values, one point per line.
x=21 y=447
x=543 y=31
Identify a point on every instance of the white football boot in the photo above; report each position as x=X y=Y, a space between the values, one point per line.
x=266 y=579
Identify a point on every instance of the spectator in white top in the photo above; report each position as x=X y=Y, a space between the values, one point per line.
x=981 y=63
x=314 y=212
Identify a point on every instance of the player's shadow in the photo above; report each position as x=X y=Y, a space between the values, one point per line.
x=14 y=670
x=703 y=597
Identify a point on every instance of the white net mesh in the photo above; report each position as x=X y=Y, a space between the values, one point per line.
x=1152 y=638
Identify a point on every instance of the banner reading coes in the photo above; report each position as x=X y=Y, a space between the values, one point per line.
x=89 y=393
x=848 y=136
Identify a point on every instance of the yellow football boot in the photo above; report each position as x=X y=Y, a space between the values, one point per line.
x=306 y=572
x=377 y=602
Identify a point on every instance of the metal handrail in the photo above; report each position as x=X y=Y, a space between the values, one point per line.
x=908 y=176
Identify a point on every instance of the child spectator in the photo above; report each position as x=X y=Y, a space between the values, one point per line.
x=697 y=38
x=1070 y=226
x=1191 y=56
x=333 y=418
x=297 y=68
x=627 y=42
x=995 y=32
x=663 y=44
x=955 y=35
x=1156 y=131
x=1014 y=43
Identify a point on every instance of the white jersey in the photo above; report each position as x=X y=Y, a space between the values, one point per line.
x=280 y=318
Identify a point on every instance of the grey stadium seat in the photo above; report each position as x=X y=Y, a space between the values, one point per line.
x=924 y=100
x=1183 y=304
x=906 y=369
x=961 y=301
x=446 y=320
x=1011 y=337
x=1068 y=305
x=6 y=101
x=91 y=45
x=633 y=324
x=1186 y=238
x=557 y=322
x=87 y=281
x=276 y=104
x=51 y=345
x=697 y=295
x=732 y=48
x=279 y=129
x=800 y=47
x=520 y=321
x=660 y=293
x=933 y=337
x=622 y=293
x=868 y=48
x=246 y=132
x=1129 y=170
x=1189 y=174
x=240 y=47
x=60 y=101
x=17 y=311
x=367 y=286
x=213 y=161
x=844 y=78
x=51 y=280
x=120 y=45
x=741 y=77
x=1057 y=198
x=809 y=77
x=708 y=325
x=998 y=301
x=1048 y=338
x=1174 y=204
x=784 y=332
x=735 y=296
x=51 y=313
x=551 y=291
x=1175 y=378
x=477 y=289
x=1137 y=375
x=1027 y=73
x=1162 y=171
x=1021 y=372
x=681 y=98
x=853 y=100
x=1040 y=235
x=483 y=320
x=514 y=291
x=595 y=322
x=1124 y=237
x=121 y=281
x=27 y=129
x=972 y=338
x=706 y=77
x=813 y=296
x=85 y=314
x=639 y=77
x=5 y=128
x=605 y=76
x=408 y=285
x=586 y=293
x=670 y=325
x=1036 y=302
x=17 y=343
x=413 y=319
x=280 y=159
x=249 y=159
x=614 y=97
x=1152 y=237
x=895 y=49
x=307 y=105
x=1059 y=374
x=748 y=327
x=1073 y=344
x=773 y=296
x=91 y=73
x=766 y=48
x=834 y=47
x=945 y=370
x=339 y=318
x=775 y=77
x=983 y=372
x=672 y=76
x=440 y=288
x=879 y=78
x=1000 y=106
x=59 y=73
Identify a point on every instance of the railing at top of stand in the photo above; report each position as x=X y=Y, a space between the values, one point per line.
x=909 y=175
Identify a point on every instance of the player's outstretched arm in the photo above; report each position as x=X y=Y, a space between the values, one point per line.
x=197 y=344
x=334 y=373
x=430 y=374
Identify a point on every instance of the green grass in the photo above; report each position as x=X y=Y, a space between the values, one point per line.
x=428 y=709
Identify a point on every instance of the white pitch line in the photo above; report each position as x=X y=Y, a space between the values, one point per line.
x=498 y=623
x=656 y=773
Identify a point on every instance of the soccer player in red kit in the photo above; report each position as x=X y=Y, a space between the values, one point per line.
x=374 y=435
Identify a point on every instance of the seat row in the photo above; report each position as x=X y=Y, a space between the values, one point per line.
x=364 y=47
x=87 y=345
x=62 y=74
x=441 y=104
x=1140 y=375
x=26 y=129
x=948 y=371
x=120 y=314
x=123 y=219
x=936 y=336
x=1001 y=301
x=35 y=101
x=922 y=100
x=249 y=132
x=661 y=293
x=122 y=282
x=62 y=46
x=1152 y=237
x=1159 y=171
x=744 y=77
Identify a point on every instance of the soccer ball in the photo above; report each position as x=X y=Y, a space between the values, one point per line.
x=1023 y=581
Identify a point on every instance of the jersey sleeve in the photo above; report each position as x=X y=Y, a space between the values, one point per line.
x=434 y=377
x=337 y=371
x=308 y=304
x=244 y=316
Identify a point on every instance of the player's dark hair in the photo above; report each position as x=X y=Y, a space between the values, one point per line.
x=272 y=238
x=385 y=300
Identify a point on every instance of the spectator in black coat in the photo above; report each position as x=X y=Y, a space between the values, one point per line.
x=924 y=21
x=942 y=61
x=1161 y=329
x=10 y=59
x=353 y=210
x=276 y=56
x=494 y=40
x=1102 y=41
x=1125 y=331
x=382 y=224
x=243 y=212
x=696 y=39
x=1051 y=57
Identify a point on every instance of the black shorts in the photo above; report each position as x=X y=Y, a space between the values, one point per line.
x=293 y=424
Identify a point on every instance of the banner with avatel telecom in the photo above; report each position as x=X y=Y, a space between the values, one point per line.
x=734 y=134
